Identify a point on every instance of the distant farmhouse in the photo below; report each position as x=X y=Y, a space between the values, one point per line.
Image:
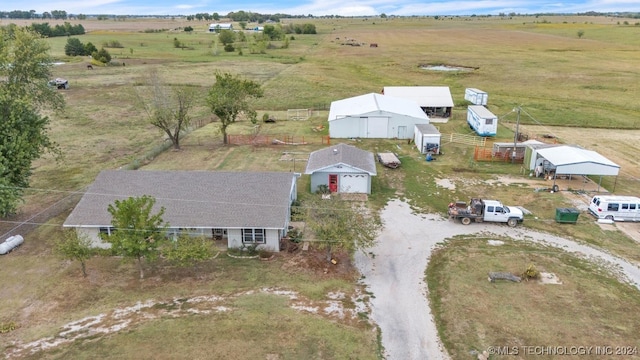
x=216 y=28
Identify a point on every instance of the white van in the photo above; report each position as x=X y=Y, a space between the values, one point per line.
x=618 y=208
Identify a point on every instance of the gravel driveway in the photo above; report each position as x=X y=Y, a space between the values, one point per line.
x=393 y=270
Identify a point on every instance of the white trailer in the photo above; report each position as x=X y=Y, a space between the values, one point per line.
x=427 y=139
x=482 y=121
x=476 y=96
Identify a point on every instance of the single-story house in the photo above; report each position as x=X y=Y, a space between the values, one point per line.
x=427 y=139
x=435 y=101
x=243 y=207
x=374 y=116
x=342 y=168
x=219 y=27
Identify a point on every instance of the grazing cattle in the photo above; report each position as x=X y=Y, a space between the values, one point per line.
x=90 y=67
x=373 y=45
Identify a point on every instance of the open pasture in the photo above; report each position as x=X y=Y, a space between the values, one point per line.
x=583 y=89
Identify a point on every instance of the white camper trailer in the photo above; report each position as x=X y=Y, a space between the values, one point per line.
x=482 y=121
x=476 y=96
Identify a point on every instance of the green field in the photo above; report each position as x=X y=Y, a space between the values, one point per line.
x=568 y=85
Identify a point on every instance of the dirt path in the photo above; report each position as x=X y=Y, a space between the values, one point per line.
x=394 y=272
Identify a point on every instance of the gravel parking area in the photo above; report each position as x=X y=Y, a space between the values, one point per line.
x=394 y=270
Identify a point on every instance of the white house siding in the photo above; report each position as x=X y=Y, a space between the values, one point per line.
x=234 y=237
x=356 y=182
x=93 y=234
x=272 y=239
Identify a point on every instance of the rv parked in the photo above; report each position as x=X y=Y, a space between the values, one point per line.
x=616 y=208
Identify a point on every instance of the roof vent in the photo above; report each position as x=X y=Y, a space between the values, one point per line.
x=335 y=151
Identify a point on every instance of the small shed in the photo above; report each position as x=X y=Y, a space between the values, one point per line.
x=506 y=149
x=342 y=168
x=476 y=96
x=482 y=121
x=427 y=138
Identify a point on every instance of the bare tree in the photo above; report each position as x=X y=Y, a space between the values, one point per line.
x=168 y=107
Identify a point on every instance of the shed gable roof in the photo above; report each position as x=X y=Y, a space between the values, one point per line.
x=192 y=198
x=341 y=154
x=425 y=96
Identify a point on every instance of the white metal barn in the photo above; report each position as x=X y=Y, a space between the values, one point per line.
x=435 y=101
x=342 y=168
x=482 y=121
x=427 y=138
x=476 y=96
x=571 y=160
x=374 y=116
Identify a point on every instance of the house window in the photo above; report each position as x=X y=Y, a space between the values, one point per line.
x=105 y=231
x=251 y=236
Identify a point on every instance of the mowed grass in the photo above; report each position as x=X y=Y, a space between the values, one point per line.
x=559 y=79
x=589 y=308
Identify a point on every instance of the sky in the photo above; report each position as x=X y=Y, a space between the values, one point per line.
x=324 y=7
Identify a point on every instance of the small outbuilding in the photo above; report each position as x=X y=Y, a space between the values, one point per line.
x=476 y=96
x=342 y=168
x=435 y=101
x=374 y=116
x=427 y=139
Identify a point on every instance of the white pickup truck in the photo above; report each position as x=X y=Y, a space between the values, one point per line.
x=480 y=210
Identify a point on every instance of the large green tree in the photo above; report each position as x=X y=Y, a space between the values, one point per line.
x=138 y=234
x=339 y=224
x=230 y=97
x=24 y=94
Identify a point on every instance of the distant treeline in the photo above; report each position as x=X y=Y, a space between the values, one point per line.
x=59 y=30
x=249 y=16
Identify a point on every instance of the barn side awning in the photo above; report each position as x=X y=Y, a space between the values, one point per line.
x=571 y=160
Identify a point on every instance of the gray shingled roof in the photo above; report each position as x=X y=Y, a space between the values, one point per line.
x=192 y=199
x=341 y=154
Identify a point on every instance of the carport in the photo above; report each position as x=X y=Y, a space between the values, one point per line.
x=571 y=160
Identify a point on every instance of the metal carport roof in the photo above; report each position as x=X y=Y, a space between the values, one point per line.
x=577 y=161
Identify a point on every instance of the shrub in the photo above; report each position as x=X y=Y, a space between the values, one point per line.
x=531 y=272
x=229 y=48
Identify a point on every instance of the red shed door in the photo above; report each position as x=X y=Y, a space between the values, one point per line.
x=333 y=183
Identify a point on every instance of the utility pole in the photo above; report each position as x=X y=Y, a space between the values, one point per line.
x=515 y=136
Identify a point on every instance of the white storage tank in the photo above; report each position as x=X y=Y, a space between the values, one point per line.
x=11 y=243
x=476 y=96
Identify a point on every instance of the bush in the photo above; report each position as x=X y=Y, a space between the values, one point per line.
x=531 y=272
x=102 y=56
x=229 y=48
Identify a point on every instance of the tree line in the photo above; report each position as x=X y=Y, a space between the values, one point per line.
x=31 y=14
x=66 y=29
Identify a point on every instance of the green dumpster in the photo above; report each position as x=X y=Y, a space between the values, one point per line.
x=567 y=215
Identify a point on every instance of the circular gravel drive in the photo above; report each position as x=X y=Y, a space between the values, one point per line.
x=394 y=269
